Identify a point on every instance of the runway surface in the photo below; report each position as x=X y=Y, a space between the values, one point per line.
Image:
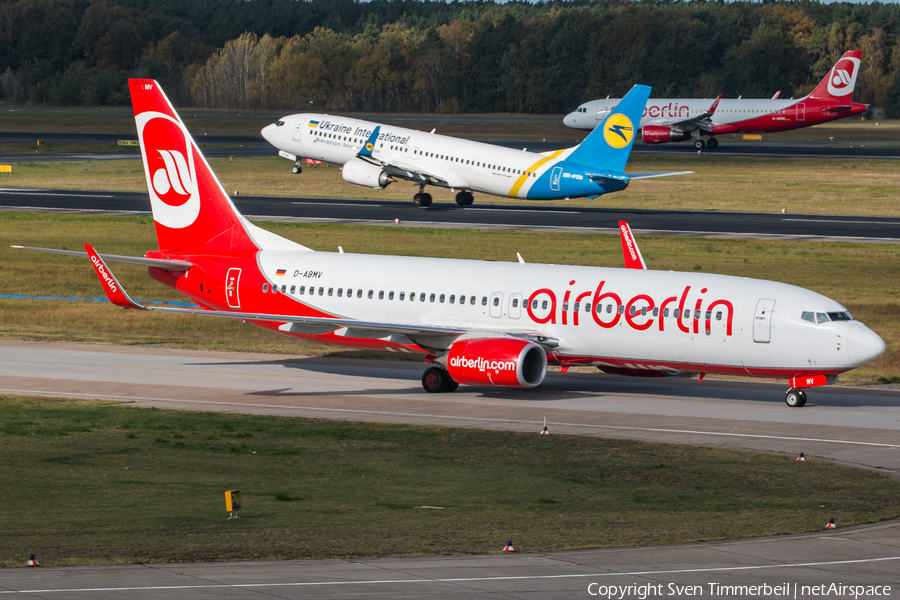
x=885 y=230
x=859 y=427
x=219 y=146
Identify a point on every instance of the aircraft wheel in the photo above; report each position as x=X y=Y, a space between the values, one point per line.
x=802 y=395
x=451 y=385
x=470 y=198
x=426 y=199
x=699 y=144
x=296 y=169
x=434 y=380
x=422 y=199
x=712 y=143
x=794 y=398
x=461 y=198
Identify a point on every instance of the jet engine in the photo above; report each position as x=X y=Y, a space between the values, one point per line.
x=500 y=362
x=366 y=174
x=660 y=134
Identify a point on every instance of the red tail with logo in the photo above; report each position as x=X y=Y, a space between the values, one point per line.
x=192 y=212
x=841 y=79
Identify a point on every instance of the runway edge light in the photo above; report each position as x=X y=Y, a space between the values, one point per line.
x=509 y=547
x=233 y=503
x=32 y=562
x=801 y=458
x=544 y=431
x=831 y=524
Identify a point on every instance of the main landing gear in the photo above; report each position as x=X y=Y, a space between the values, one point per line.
x=422 y=199
x=711 y=143
x=465 y=198
x=795 y=398
x=436 y=380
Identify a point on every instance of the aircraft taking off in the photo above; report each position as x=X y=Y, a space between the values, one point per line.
x=374 y=155
x=680 y=120
x=480 y=323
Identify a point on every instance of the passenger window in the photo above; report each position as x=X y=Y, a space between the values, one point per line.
x=631 y=312
x=422 y=297
x=274 y=289
x=666 y=313
x=340 y=292
x=431 y=298
x=621 y=310
x=283 y=289
x=330 y=291
x=452 y=299
x=643 y=311
x=371 y=294
x=587 y=307
x=609 y=308
x=656 y=312
x=821 y=318
x=484 y=301
x=687 y=313
x=359 y=293
x=462 y=299
x=442 y=299
x=390 y=295
x=697 y=314
x=565 y=306
x=265 y=288
x=496 y=301
x=534 y=304
x=515 y=302
x=302 y=289
x=403 y=295
x=718 y=315
x=708 y=315
x=293 y=287
x=381 y=294
x=544 y=304
x=321 y=291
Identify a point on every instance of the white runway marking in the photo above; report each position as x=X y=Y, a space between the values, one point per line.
x=457 y=579
x=837 y=221
x=452 y=417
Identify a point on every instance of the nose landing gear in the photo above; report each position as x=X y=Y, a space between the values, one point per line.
x=296 y=169
x=795 y=398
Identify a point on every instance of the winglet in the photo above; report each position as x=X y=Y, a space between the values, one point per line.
x=108 y=281
x=777 y=95
x=633 y=258
x=715 y=105
x=369 y=146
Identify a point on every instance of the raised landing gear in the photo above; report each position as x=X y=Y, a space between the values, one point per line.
x=712 y=143
x=296 y=169
x=465 y=198
x=436 y=380
x=422 y=199
x=795 y=398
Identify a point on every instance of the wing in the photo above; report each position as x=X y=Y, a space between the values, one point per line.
x=410 y=171
x=170 y=265
x=420 y=334
x=703 y=121
x=651 y=174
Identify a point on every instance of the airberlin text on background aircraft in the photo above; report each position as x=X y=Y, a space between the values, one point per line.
x=645 y=301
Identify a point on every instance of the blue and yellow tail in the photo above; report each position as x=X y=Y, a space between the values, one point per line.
x=609 y=145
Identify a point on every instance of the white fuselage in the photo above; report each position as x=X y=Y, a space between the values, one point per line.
x=680 y=321
x=461 y=164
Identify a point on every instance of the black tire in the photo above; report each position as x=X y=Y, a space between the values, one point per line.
x=461 y=198
x=470 y=198
x=451 y=385
x=426 y=200
x=699 y=144
x=296 y=169
x=434 y=380
x=793 y=398
x=802 y=395
x=712 y=143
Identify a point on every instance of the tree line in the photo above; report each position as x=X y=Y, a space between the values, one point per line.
x=422 y=56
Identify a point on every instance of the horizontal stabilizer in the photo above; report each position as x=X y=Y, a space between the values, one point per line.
x=651 y=174
x=169 y=265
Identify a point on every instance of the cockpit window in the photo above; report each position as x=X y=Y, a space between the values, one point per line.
x=821 y=318
x=840 y=316
x=809 y=316
x=279 y=123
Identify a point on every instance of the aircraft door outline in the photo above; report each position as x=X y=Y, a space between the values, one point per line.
x=232 y=281
x=801 y=111
x=762 y=321
x=298 y=130
x=495 y=305
x=515 y=306
x=555 y=176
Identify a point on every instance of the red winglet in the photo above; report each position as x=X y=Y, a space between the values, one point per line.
x=633 y=258
x=113 y=289
x=715 y=105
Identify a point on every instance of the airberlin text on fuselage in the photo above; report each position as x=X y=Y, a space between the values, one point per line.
x=687 y=314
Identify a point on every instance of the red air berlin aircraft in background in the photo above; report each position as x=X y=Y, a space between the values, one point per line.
x=680 y=120
x=481 y=323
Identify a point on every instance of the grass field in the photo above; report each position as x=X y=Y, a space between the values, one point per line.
x=89 y=483
x=813 y=186
x=863 y=277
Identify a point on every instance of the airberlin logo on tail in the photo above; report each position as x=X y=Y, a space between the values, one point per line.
x=842 y=78
x=170 y=170
x=618 y=130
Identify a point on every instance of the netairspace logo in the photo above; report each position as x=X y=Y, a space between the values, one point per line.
x=718 y=590
x=461 y=362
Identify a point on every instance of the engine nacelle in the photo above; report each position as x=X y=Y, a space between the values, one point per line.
x=500 y=362
x=660 y=134
x=366 y=174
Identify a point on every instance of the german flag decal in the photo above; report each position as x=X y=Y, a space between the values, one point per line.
x=280 y=272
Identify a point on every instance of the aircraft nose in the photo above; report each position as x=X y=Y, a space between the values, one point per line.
x=864 y=345
x=268 y=131
x=569 y=120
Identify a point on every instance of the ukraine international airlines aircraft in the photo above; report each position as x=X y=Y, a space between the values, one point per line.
x=374 y=155
x=479 y=323
x=679 y=120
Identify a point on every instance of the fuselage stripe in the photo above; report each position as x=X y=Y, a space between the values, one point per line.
x=514 y=190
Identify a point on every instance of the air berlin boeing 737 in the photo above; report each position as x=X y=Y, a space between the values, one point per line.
x=374 y=155
x=679 y=120
x=479 y=323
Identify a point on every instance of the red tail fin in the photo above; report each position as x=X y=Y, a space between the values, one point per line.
x=630 y=250
x=191 y=210
x=841 y=79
